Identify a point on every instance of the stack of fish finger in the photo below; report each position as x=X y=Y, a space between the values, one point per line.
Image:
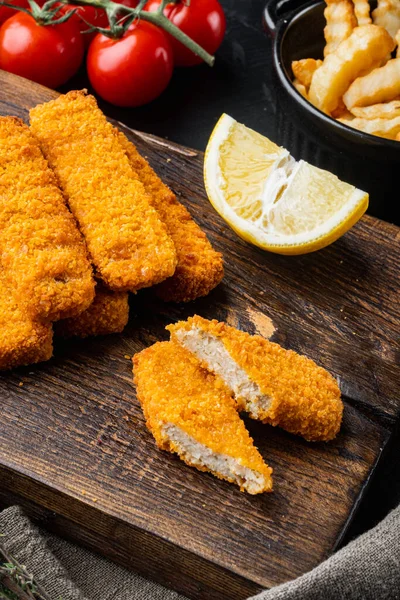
x=85 y=220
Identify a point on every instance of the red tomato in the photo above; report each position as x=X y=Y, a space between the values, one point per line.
x=49 y=54
x=6 y=13
x=92 y=15
x=202 y=20
x=131 y=70
x=86 y=16
x=131 y=3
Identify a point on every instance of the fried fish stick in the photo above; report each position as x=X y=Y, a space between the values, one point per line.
x=22 y=340
x=128 y=244
x=274 y=385
x=108 y=313
x=200 y=267
x=40 y=245
x=191 y=413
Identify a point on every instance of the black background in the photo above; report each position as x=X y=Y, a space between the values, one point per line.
x=241 y=84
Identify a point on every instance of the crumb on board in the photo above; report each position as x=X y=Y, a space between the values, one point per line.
x=127 y=357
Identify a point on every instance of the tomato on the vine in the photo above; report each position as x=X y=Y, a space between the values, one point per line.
x=131 y=70
x=47 y=54
x=130 y=3
x=91 y=16
x=85 y=17
x=6 y=12
x=202 y=20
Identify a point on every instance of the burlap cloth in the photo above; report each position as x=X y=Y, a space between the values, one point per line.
x=367 y=569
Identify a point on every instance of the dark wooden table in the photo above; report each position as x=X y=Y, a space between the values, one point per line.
x=242 y=85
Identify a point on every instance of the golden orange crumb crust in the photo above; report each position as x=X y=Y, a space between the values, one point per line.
x=200 y=267
x=305 y=397
x=108 y=313
x=41 y=248
x=173 y=388
x=128 y=244
x=22 y=340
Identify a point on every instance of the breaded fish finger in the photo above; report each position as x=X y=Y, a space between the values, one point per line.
x=191 y=413
x=129 y=245
x=274 y=385
x=22 y=341
x=108 y=313
x=200 y=267
x=40 y=245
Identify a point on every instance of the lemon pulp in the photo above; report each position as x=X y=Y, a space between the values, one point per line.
x=271 y=200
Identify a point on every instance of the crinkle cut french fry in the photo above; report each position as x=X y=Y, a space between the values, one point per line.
x=362 y=12
x=340 y=22
x=379 y=86
x=397 y=40
x=304 y=69
x=40 y=245
x=387 y=15
x=362 y=51
x=386 y=128
x=388 y=110
x=341 y=110
x=300 y=88
x=128 y=244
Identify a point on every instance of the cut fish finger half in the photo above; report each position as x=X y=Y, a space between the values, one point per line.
x=192 y=413
x=271 y=384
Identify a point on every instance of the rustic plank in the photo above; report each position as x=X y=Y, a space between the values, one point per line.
x=75 y=452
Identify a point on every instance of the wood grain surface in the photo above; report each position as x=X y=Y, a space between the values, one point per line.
x=75 y=452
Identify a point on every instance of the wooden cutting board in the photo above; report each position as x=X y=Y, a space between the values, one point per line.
x=74 y=450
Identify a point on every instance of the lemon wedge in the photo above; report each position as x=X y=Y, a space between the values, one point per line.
x=271 y=200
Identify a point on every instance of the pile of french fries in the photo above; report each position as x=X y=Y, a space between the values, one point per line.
x=358 y=82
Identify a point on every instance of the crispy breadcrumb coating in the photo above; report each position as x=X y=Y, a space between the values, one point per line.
x=40 y=245
x=200 y=267
x=108 y=313
x=22 y=340
x=129 y=245
x=291 y=390
x=192 y=413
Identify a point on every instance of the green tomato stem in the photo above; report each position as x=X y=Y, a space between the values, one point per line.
x=157 y=18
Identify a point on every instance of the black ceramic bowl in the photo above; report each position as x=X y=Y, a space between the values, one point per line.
x=367 y=161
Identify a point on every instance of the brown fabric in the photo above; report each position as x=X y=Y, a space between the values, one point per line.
x=367 y=569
